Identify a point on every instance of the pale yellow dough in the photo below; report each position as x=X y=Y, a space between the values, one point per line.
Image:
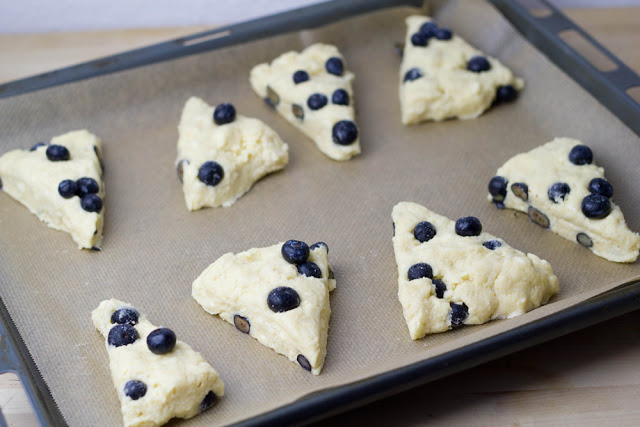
x=447 y=89
x=239 y=285
x=32 y=179
x=316 y=124
x=548 y=164
x=177 y=382
x=493 y=284
x=247 y=149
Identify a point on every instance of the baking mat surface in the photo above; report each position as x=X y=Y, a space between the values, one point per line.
x=154 y=248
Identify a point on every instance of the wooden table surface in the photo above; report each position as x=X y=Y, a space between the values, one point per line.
x=590 y=377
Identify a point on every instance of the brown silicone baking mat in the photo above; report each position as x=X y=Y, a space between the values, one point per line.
x=154 y=248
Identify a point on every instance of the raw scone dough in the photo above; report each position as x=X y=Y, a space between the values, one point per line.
x=471 y=284
x=32 y=179
x=537 y=171
x=246 y=149
x=237 y=287
x=435 y=83
x=276 y=85
x=178 y=384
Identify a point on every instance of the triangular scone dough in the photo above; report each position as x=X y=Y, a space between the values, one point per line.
x=332 y=124
x=177 y=384
x=32 y=179
x=237 y=288
x=246 y=149
x=533 y=174
x=435 y=83
x=474 y=281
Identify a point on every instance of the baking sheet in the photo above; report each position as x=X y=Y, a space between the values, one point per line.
x=154 y=248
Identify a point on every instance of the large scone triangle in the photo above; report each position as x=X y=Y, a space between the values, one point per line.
x=219 y=162
x=562 y=189
x=442 y=76
x=312 y=90
x=61 y=183
x=283 y=305
x=447 y=279
x=153 y=386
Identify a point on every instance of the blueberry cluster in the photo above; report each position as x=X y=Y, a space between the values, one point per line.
x=430 y=30
x=85 y=188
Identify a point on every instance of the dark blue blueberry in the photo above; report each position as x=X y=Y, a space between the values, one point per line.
x=492 y=244
x=420 y=270
x=86 y=186
x=121 y=335
x=208 y=401
x=123 y=316
x=498 y=188
x=506 y=93
x=412 y=74
x=596 y=206
x=344 y=132
x=242 y=324
x=91 y=203
x=161 y=341
x=35 y=146
x=135 y=389
x=444 y=34
x=340 y=97
x=521 y=190
x=468 y=226
x=424 y=231
x=335 y=66
x=394 y=229
x=57 y=153
x=300 y=76
x=419 y=39
x=304 y=362
x=310 y=269
x=67 y=188
x=211 y=173
x=478 y=64
x=224 y=113
x=429 y=29
x=538 y=217
x=558 y=191
x=318 y=244
x=581 y=155
x=601 y=186
x=317 y=101
x=584 y=240
x=295 y=251
x=441 y=288
x=459 y=313
x=283 y=299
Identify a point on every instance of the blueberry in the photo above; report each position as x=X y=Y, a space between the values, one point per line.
x=318 y=244
x=310 y=269
x=161 y=341
x=121 y=335
x=412 y=74
x=0 y=183
x=273 y=99
x=584 y=240
x=596 y=206
x=492 y=244
x=441 y=288
x=340 y=97
x=208 y=401
x=123 y=316
x=394 y=229
x=297 y=111
x=91 y=203
x=459 y=313
x=429 y=29
x=419 y=39
x=304 y=362
x=224 y=113
x=35 y=146
x=295 y=251
x=283 y=299
x=317 y=101
x=180 y=168
x=344 y=132
x=498 y=188
x=335 y=66
x=444 y=34
x=538 y=217
x=135 y=389
x=211 y=173
x=242 y=324
x=478 y=64
x=67 y=188
x=521 y=190
x=424 y=231
x=420 y=270
x=87 y=186
x=601 y=186
x=558 y=191
x=57 y=153
x=468 y=226
x=300 y=76
x=581 y=155
x=506 y=93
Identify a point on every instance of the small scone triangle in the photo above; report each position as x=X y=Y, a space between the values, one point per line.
x=221 y=154
x=312 y=90
x=157 y=377
x=451 y=273
x=279 y=295
x=61 y=183
x=562 y=189
x=442 y=76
